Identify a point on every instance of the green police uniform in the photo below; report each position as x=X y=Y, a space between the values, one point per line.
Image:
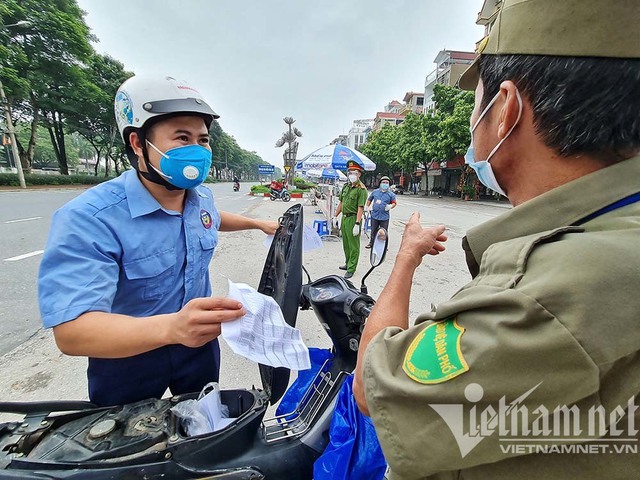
x=539 y=354
x=352 y=197
x=550 y=309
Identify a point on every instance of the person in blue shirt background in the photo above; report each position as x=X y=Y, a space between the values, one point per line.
x=124 y=279
x=380 y=202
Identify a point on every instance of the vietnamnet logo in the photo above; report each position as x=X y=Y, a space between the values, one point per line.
x=524 y=431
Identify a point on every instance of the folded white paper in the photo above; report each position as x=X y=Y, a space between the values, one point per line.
x=262 y=335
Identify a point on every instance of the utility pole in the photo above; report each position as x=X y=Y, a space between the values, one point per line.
x=12 y=137
x=7 y=112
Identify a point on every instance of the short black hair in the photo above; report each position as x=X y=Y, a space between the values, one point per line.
x=149 y=124
x=581 y=105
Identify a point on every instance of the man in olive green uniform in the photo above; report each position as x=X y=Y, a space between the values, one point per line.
x=352 y=200
x=530 y=370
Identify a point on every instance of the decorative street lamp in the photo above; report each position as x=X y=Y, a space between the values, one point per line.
x=7 y=112
x=290 y=138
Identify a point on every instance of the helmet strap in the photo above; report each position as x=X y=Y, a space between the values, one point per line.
x=151 y=173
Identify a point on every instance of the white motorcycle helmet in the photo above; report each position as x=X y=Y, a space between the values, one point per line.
x=140 y=99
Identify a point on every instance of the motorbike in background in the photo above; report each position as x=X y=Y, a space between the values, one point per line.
x=236 y=186
x=283 y=195
x=76 y=440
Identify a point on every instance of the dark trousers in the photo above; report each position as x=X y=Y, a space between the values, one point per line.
x=115 y=381
x=375 y=225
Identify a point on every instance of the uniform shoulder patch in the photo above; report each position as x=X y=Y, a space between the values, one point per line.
x=435 y=356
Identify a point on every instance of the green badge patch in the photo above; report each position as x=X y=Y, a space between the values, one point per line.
x=435 y=356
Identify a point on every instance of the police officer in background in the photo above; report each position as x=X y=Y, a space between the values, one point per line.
x=352 y=200
x=380 y=203
x=124 y=279
x=550 y=320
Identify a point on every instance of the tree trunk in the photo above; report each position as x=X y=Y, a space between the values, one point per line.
x=22 y=153
x=56 y=133
x=34 y=131
x=116 y=166
x=98 y=151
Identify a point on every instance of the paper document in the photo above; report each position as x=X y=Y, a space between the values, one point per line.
x=262 y=335
x=310 y=239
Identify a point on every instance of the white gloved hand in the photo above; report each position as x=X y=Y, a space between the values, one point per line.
x=356 y=230
x=387 y=208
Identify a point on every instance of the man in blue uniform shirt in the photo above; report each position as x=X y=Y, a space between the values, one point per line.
x=380 y=202
x=124 y=277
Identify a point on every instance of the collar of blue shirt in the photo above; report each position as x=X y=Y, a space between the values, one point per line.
x=140 y=200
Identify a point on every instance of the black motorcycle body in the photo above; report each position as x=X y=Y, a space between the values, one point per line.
x=283 y=195
x=76 y=440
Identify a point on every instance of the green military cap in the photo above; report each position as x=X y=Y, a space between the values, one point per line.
x=571 y=28
x=353 y=165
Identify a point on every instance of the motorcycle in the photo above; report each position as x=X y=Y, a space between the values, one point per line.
x=236 y=186
x=283 y=195
x=77 y=440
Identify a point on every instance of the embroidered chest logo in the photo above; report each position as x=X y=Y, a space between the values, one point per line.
x=435 y=355
x=205 y=218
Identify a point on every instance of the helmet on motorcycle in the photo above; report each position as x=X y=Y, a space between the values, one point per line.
x=141 y=100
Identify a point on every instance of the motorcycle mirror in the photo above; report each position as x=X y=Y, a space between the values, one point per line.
x=378 y=253
x=379 y=247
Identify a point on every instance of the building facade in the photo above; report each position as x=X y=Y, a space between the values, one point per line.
x=488 y=14
x=450 y=65
x=384 y=118
x=340 y=139
x=413 y=102
x=359 y=132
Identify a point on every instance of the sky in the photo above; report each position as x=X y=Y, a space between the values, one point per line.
x=323 y=62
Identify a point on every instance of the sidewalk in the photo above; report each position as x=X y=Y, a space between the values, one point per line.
x=503 y=203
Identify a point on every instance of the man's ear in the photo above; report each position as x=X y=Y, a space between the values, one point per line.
x=510 y=111
x=136 y=145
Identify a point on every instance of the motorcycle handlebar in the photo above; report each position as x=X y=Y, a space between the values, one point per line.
x=361 y=308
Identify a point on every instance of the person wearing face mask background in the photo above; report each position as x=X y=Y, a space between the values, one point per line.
x=124 y=279
x=380 y=202
x=550 y=319
x=352 y=200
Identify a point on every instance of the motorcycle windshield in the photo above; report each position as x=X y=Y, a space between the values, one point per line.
x=282 y=280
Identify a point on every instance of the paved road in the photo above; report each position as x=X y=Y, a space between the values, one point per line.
x=36 y=370
x=25 y=217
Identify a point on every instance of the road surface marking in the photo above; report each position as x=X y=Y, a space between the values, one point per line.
x=23 y=220
x=22 y=257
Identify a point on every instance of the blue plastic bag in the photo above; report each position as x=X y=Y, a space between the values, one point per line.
x=294 y=393
x=354 y=452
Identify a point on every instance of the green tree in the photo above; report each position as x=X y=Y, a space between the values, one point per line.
x=383 y=148
x=451 y=135
x=229 y=158
x=93 y=118
x=43 y=66
x=424 y=139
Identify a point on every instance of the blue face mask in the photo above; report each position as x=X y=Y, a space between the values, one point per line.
x=384 y=186
x=184 y=167
x=483 y=167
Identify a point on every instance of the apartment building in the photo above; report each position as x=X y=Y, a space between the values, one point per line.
x=359 y=132
x=413 y=102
